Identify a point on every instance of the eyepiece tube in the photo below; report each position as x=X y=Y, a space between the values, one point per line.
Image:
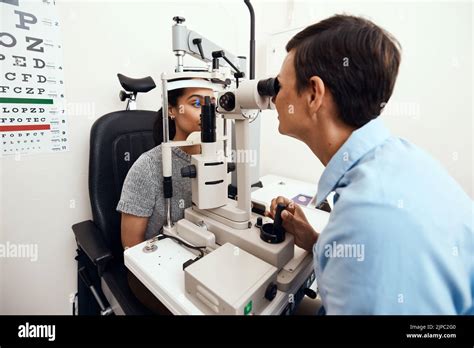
x=268 y=87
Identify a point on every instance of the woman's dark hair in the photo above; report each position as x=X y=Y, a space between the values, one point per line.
x=357 y=60
x=173 y=97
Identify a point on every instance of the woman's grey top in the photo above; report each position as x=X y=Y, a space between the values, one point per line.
x=142 y=191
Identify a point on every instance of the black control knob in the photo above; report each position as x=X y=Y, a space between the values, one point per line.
x=310 y=293
x=239 y=75
x=179 y=19
x=188 y=171
x=271 y=291
x=230 y=167
x=227 y=101
x=259 y=222
x=218 y=54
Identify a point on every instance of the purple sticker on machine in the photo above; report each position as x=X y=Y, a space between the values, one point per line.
x=302 y=199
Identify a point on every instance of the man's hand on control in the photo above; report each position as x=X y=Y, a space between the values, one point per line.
x=295 y=222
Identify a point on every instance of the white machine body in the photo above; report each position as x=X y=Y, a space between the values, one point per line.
x=209 y=188
x=230 y=281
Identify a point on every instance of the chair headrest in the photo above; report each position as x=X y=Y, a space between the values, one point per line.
x=142 y=85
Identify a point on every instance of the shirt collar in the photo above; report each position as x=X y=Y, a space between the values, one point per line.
x=360 y=142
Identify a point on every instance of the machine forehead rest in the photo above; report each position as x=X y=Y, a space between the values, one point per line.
x=191 y=83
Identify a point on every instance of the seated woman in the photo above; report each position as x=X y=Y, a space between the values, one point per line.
x=142 y=202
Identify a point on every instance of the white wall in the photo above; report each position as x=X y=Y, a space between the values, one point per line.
x=99 y=40
x=432 y=102
x=43 y=195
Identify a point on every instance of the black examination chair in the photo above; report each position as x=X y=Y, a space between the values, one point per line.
x=117 y=140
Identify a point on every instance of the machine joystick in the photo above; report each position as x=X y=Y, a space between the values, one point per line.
x=273 y=232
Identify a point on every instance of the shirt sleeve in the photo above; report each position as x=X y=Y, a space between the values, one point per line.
x=139 y=189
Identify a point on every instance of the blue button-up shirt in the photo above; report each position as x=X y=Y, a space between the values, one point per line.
x=400 y=236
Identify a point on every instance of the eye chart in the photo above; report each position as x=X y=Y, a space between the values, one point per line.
x=32 y=103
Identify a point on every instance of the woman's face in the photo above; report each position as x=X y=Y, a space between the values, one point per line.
x=187 y=113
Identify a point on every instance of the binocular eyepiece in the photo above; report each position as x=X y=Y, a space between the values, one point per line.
x=268 y=87
x=250 y=94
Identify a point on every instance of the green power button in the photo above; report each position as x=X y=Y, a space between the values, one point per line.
x=248 y=308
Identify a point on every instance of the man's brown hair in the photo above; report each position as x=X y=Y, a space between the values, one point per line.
x=357 y=61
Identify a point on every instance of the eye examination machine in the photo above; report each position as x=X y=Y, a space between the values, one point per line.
x=224 y=256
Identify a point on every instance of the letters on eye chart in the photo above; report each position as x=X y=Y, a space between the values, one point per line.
x=32 y=103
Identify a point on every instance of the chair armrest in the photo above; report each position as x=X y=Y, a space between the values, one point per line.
x=89 y=239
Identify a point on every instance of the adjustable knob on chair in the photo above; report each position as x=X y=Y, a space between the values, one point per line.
x=123 y=95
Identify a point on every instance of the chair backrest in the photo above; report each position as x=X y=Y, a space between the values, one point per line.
x=116 y=141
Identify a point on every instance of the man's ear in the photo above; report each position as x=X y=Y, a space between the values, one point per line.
x=316 y=91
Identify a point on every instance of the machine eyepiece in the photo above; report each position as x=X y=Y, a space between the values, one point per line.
x=268 y=87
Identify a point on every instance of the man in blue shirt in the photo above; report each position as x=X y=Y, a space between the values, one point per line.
x=400 y=236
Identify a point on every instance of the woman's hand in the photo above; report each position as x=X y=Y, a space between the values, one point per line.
x=295 y=222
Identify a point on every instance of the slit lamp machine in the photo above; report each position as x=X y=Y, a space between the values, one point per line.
x=242 y=258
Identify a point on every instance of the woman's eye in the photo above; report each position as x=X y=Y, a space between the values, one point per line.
x=197 y=103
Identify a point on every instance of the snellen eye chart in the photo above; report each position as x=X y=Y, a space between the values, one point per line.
x=33 y=118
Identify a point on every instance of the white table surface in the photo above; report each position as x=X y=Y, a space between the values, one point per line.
x=161 y=271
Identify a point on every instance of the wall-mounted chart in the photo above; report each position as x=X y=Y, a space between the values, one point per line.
x=32 y=102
